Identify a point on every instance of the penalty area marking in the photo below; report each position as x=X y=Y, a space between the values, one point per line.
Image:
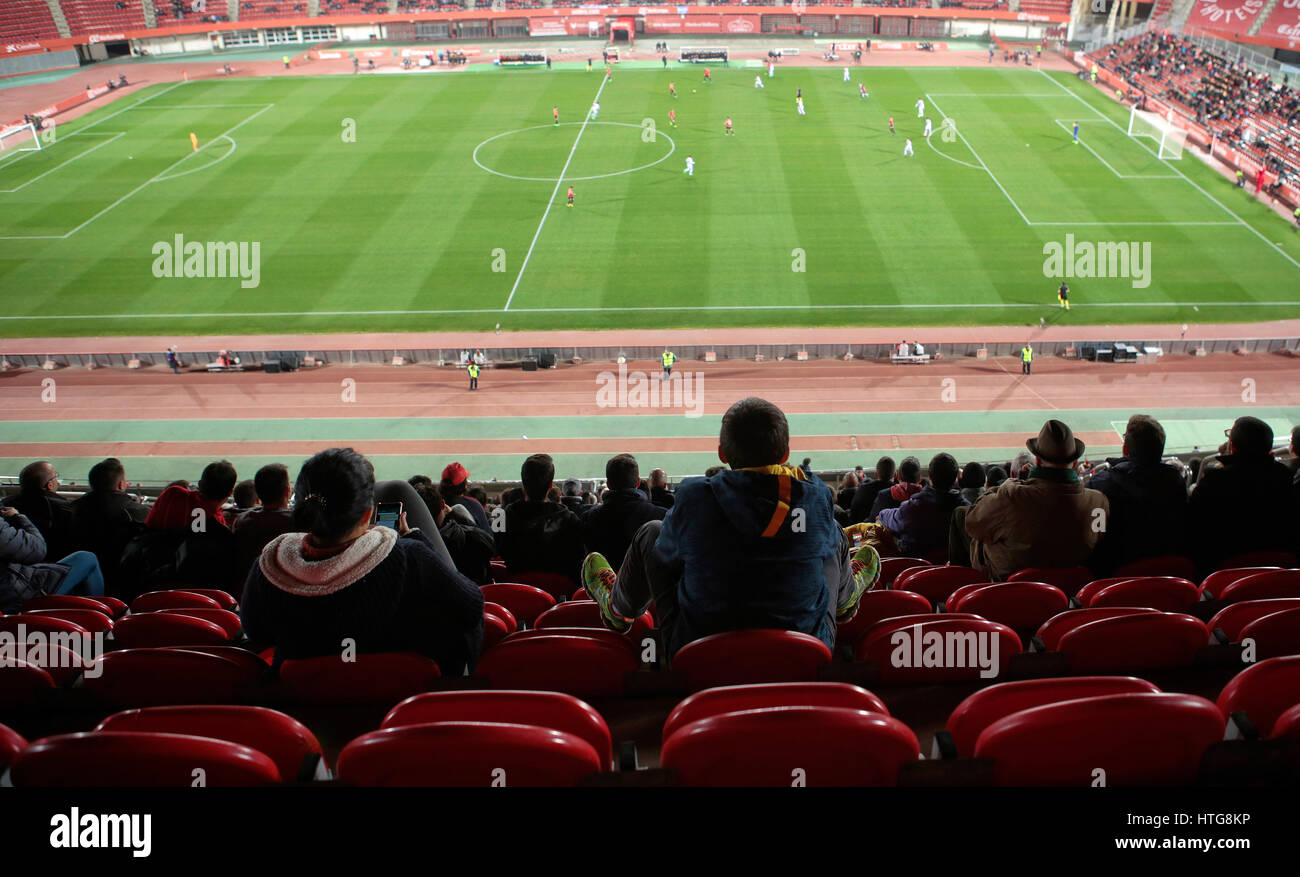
x=225 y=155
x=672 y=147
x=111 y=137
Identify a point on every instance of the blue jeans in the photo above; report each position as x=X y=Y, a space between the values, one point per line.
x=84 y=571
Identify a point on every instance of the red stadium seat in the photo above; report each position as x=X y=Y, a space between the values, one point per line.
x=222 y=618
x=892 y=567
x=898 y=622
x=543 y=709
x=1068 y=578
x=11 y=743
x=498 y=571
x=1263 y=586
x=580 y=594
x=1134 y=643
x=584 y=666
x=154 y=630
x=152 y=601
x=24 y=626
x=503 y=613
x=996 y=702
x=468 y=754
x=935 y=583
x=92 y=620
x=959 y=657
x=137 y=759
x=71 y=601
x=739 y=657
x=876 y=606
x=160 y=677
x=1263 y=691
x=22 y=683
x=1233 y=617
x=1274 y=635
x=1215 y=582
x=1287 y=726
x=382 y=677
x=738 y=698
x=1059 y=625
x=524 y=601
x=599 y=634
x=1163 y=565
x=294 y=749
x=1137 y=739
x=494 y=630
x=586 y=613
x=555 y=584
x=1084 y=594
x=1021 y=606
x=250 y=661
x=785 y=746
x=1165 y=593
x=224 y=599
x=1260 y=558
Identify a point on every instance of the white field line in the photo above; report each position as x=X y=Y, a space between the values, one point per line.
x=69 y=161
x=1005 y=193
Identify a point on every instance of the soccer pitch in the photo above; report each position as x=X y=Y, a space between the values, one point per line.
x=438 y=202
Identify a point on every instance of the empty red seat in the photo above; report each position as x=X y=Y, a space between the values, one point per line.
x=222 y=618
x=152 y=601
x=996 y=702
x=109 y=758
x=791 y=746
x=898 y=622
x=892 y=567
x=1134 y=643
x=935 y=583
x=160 y=677
x=1162 y=565
x=21 y=683
x=737 y=657
x=494 y=630
x=1165 y=593
x=1215 y=582
x=1263 y=692
x=1085 y=593
x=738 y=698
x=381 y=677
x=294 y=749
x=584 y=666
x=947 y=649
x=468 y=754
x=1263 y=586
x=580 y=594
x=222 y=598
x=1059 y=625
x=1274 y=635
x=72 y=601
x=524 y=601
x=11 y=743
x=92 y=620
x=1233 y=617
x=544 y=709
x=251 y=661
x=1020 y=606
x=151 y=630
x=586 y=613
x=876 y=606
x=617 y=640
x=506 y=616
x=1287 y=726
x=23 y=626
x=1134 y=739
x=555 y=584
x=1068 y=578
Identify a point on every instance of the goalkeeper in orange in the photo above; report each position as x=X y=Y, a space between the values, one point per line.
x=194 y=141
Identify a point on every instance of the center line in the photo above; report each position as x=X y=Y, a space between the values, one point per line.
x=558 y=183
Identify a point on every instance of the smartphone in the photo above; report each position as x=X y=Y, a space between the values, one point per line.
x=387 y=514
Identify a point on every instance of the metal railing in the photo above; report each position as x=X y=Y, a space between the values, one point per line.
x=1232 y=51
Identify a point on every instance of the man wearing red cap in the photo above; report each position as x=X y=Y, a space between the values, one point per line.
x=454 y=483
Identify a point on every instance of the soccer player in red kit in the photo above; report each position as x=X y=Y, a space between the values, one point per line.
x=570 y=204
x=555 y=111
x=672 y=89
x=891 y=125
x=672 y=118
x=707 y=77
x=729 y=131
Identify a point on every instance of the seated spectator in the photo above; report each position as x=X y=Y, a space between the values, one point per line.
x=610 y=526
x=174 y=508
x=993 y=478
x=271 y=516
x=479 y=495
x=471 y=549
x=865 y=496
x=729 y=554
x=660 y=495
x=339 y=578
x=452 y=487
x=540 y=535
x=244 y=496
x=1021 y=466
x=106 y=518
x=571 y=497
x=24 y=576
x=907 y=486
x=848 y=487
x=1148 y=499
x=38 y=500
x=920 y=523
x=1046 y=521
x=973 y=479
x=1246 y=503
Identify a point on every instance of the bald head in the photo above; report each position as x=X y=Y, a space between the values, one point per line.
x=658 y=478
x=37 y=477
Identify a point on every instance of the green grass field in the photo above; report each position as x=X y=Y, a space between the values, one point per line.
x=446 y=212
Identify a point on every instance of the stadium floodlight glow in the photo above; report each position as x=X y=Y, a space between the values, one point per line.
x=1169 y=136
x=12 y=138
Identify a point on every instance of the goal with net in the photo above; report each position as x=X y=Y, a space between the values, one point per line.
x=21 y=137
x=1167 y=135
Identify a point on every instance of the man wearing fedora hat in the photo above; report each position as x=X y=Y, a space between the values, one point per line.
x=1047 y=520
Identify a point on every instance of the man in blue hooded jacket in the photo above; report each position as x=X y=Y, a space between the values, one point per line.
x=754 y=546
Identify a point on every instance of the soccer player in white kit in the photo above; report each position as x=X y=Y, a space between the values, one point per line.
x=758 y=82
x=798 y=102
x=929 y=129
x=920 y=108
x=846 y=74
x=595 y=110
x=771 y=69
x=907 y=147
x=690 y=166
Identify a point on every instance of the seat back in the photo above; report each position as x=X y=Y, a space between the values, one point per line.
x=1263 y=691
x=1275 y=635
x=573 y=663
x=1134 y=643
x=1166 y=593
x=22 y=683
x=586 y=613
x=544 y=709
x=11 y=743
x=223 y=598
x=1059 y=625
x=152 y=601
x=70 y=601
x=738 y=657
x=791 y=746
x=468 y=754
x=936 y=583
x=991 y=704
x=525 y=602
x=154 y=630
x=92 y=620
x=380 y=677
x=1213 y=584
x=494 y=630
x=126 y=759
x=1068 y=578
x=1084 y=594
x=164 y=676
x=555 y=584
x=1263 y=586
x=1233 y=617
x=876 y=606
x=737 y=698
x=22 y=626
x=1021 y=606
x=892 y=567
x=506 y=616
x=1137 y=739
x=1287 y=726
x=946 y=649
x=223 y=618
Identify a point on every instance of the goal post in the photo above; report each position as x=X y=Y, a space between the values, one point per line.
x=21 y=137
x=1169 y=138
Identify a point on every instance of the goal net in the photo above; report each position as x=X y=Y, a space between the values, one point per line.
x=21 y=137
x=1169 y=137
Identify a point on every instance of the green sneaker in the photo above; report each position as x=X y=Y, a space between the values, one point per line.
x=866 y=572
x=598 y=578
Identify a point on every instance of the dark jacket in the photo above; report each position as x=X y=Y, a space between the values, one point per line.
x=892 y=498
x=52 y=515
x=470 y=503
x=921 y=522
x=541 y=537
x=156 y=558
x=1244 y=505
x=576 y=505
x=1148 y=512
x=662 y=497
x=410 y=601
x=471 y=549
x=609 y=527
x=22 y=574
x=103 y=522
x=863 y=499
x=254 y=529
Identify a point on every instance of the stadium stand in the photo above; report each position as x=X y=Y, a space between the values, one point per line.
x=24 y=20
x=99 y=16
x=253 y=10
